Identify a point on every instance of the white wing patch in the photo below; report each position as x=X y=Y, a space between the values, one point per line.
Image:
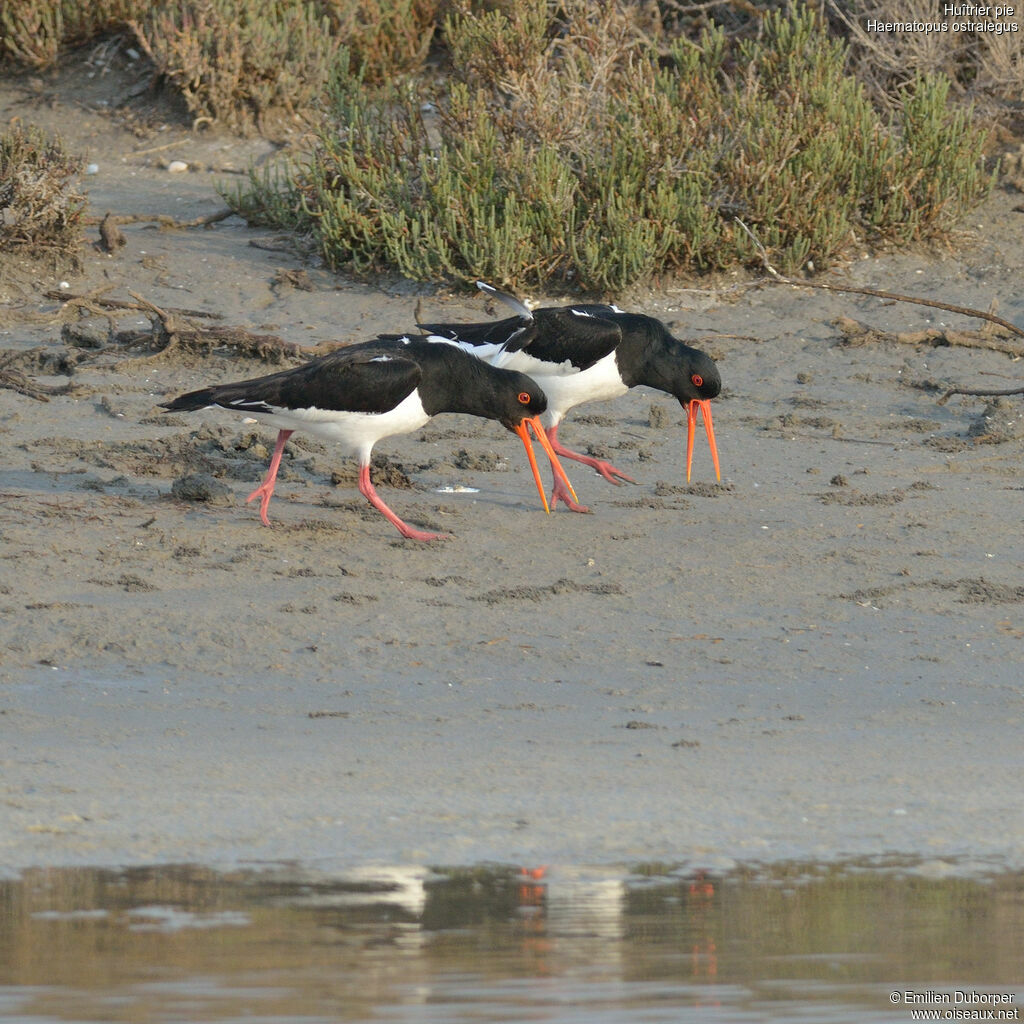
x=440 y=339
x=490 y=352
x=247 y=403
x=384 y=359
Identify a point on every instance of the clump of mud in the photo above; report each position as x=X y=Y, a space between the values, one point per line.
x=203 y=488
x=1001 y=420
x=383 y=473
x=485 y=462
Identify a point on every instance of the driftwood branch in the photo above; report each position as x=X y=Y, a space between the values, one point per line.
x=980 y=391
x=171 y=328
x=166 y=222
x=172 y=335
x=14 y=380
x=857 y=333
x=95 y=299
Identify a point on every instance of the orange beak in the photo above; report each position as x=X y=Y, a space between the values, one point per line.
x=691 y=422
x=524 y=436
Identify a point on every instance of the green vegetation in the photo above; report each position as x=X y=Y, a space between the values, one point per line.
x=32 y=32
x=586 y=156
x=234 y=61
x=573 y=143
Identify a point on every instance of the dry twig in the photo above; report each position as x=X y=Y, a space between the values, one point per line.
x=166 y=222
x=993 y=392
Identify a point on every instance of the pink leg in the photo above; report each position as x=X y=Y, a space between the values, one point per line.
x=606 y=469
x=561 y=493
x=367 y=489
x=266 y=489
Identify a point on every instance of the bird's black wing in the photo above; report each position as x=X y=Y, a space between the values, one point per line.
x=363 y=378
x=583 y=335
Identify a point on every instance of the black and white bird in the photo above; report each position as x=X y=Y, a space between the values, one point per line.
x=583 y=353
x=357 y=395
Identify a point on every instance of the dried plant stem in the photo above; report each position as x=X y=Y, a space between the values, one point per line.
x=165 y=222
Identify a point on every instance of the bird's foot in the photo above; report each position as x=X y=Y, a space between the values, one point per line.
x=407 y=531
x=561 y=493
x=264 y=492
x=606 y=469
x=610 y=473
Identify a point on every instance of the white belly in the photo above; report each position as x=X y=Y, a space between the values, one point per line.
x=565 y=390
x=356 y=432
x=563 y=384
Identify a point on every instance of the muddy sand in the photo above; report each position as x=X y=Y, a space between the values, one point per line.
x=819 y=657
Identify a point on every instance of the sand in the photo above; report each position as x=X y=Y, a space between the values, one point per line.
x=819 y=657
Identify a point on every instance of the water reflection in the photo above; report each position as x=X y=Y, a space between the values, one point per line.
x=797 y=942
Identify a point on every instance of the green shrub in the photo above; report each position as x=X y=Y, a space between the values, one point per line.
x=589 y=152
x=32 y=32
x=234 y=61
x=40 y=205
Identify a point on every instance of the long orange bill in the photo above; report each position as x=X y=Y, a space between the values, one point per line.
x=691 y=422
x=524 y=436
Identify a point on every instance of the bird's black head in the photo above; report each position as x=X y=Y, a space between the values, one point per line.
x=520 y=397
x=650 y=355
x=698 y=377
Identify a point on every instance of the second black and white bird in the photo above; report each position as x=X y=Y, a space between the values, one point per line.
x=586 y=352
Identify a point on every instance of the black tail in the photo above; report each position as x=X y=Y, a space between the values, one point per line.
x=191 y=402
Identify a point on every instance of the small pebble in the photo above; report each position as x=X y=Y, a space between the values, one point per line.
x=92 y=168
x=177 y=166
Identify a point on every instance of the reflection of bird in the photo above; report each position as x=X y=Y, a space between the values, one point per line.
x=401 y=885
x=359 y=394
x=587 y=352
x=586 y=902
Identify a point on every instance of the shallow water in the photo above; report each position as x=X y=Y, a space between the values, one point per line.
x=794 y=942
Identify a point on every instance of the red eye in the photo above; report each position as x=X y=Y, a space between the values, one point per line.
x=524 y=397
x=698 y=380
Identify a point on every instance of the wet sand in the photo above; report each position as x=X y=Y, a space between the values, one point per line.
x=820 y=657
